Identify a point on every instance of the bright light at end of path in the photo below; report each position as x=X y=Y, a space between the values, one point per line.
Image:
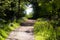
x=29 y=9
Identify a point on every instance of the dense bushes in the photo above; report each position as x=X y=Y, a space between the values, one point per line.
x=46 y=9
x=56 y=26
x=43 y=30
x=9 y=10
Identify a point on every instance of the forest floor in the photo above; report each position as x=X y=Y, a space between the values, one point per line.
x=24 y=32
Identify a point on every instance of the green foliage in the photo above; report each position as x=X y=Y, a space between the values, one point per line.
x=30 y=15
x=41 y=19
x=1 y=38
x=58 y=32
x=9 y=10
x=23 y=19
x=43 y=30
x=5 y=29
x=46 y=9
x=3 y=33
x=9 y=14
x=56 y=26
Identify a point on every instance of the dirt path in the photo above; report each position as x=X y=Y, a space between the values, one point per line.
x=25 y=32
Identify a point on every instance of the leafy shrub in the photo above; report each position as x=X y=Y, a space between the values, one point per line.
x=43 y=30
x=23 y=19
x=41 y=19
x=58 y=32
x=56 y=26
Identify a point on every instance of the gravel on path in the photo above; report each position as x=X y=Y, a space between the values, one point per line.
x=22 y=33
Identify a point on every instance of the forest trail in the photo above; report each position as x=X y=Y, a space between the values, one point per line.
x=25 y=32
